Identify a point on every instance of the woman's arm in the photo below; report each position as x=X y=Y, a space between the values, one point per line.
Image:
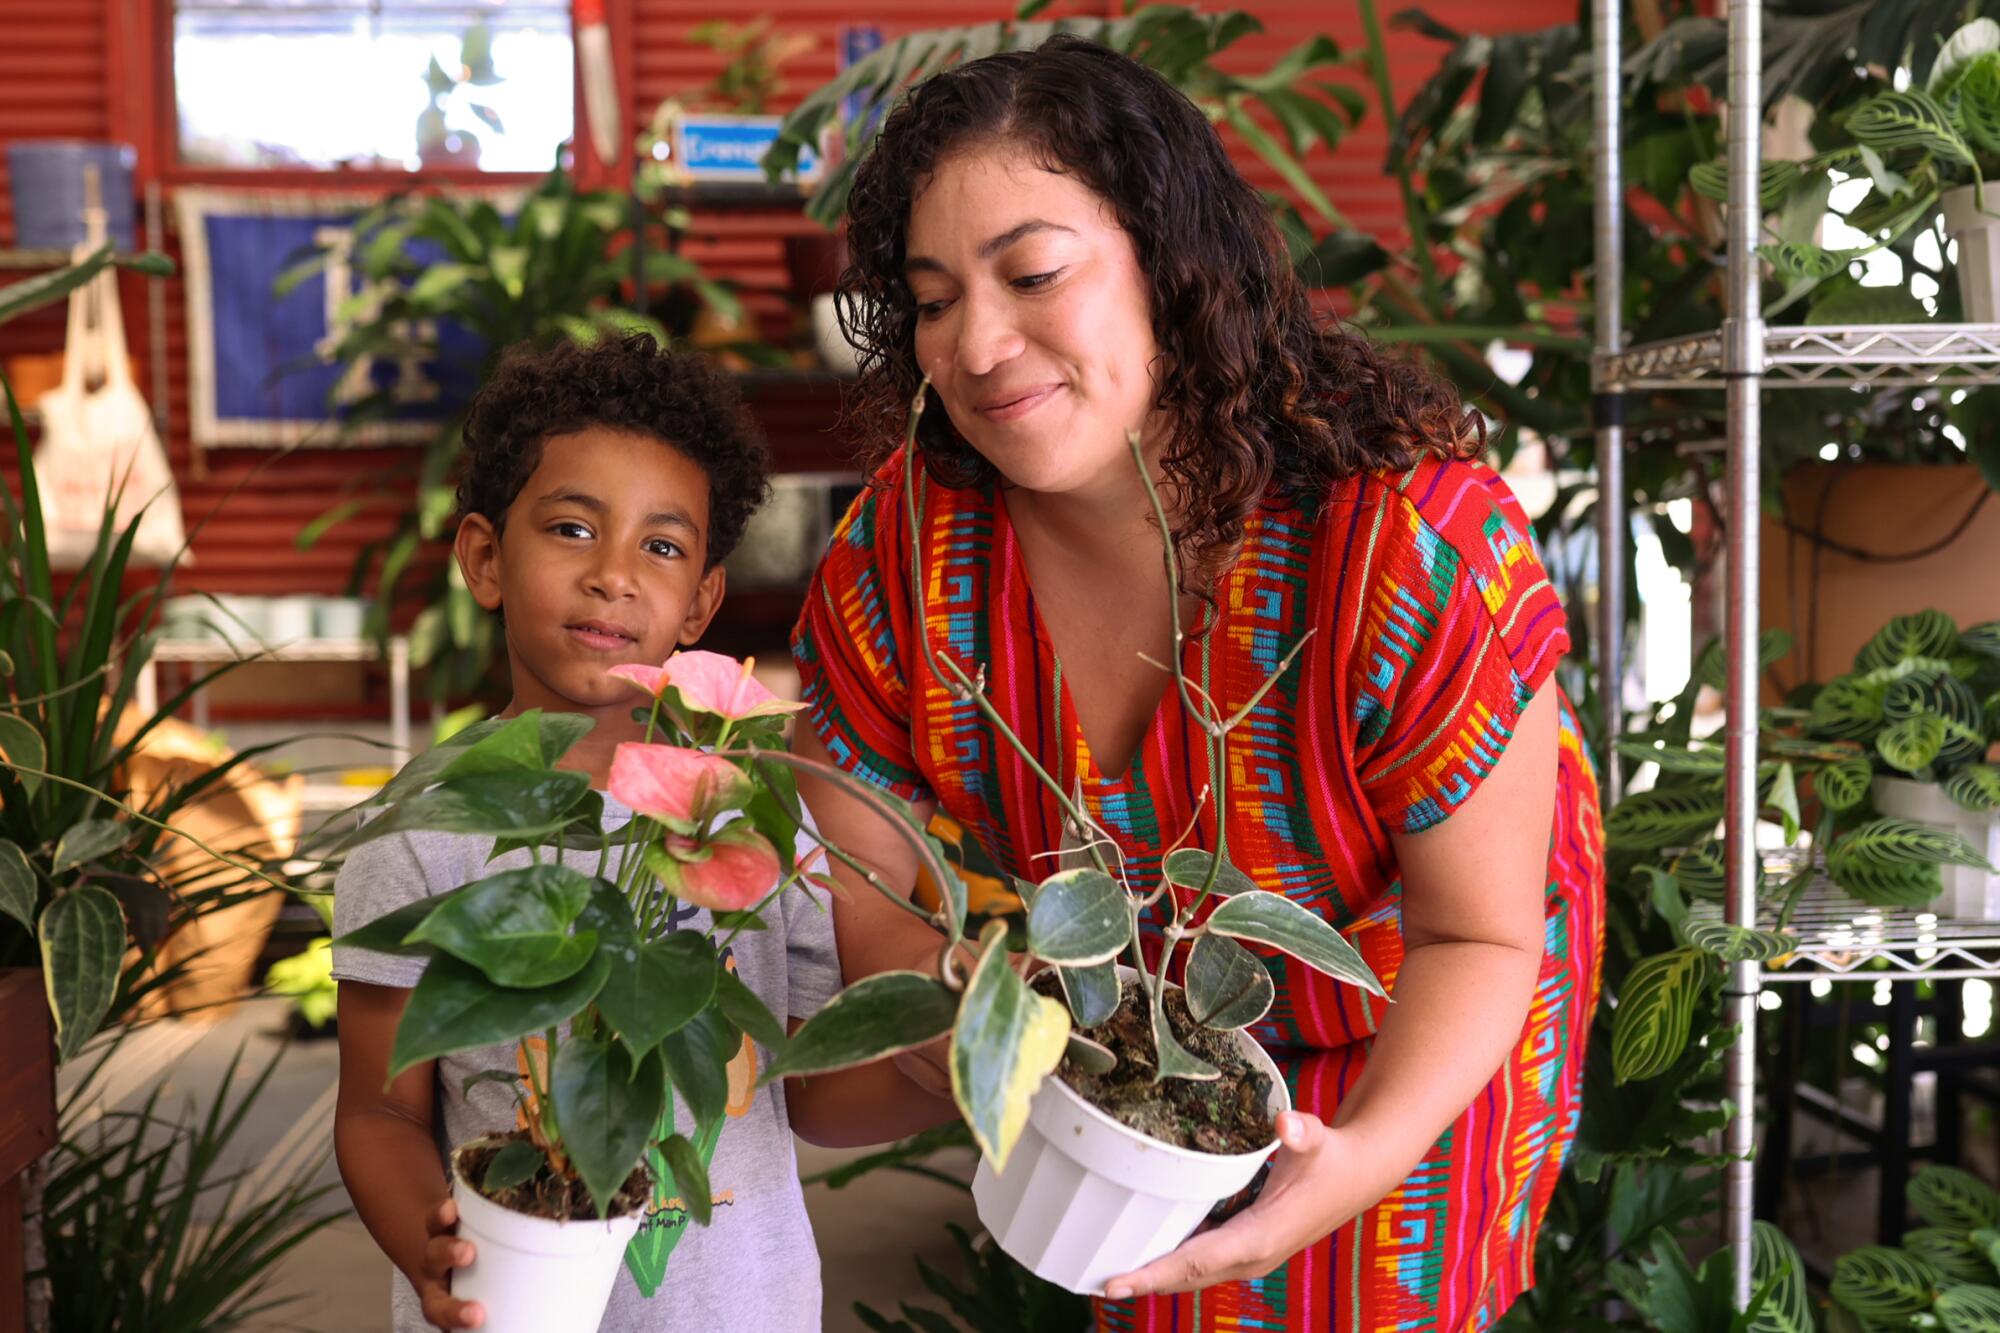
x=1473 y=905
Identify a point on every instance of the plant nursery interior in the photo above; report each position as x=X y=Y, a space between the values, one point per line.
x=1100 y=665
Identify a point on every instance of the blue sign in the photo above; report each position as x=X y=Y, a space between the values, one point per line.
x=732 y=148
x=858 y=41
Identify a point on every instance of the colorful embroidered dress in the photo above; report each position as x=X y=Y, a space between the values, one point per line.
x=1434 y=624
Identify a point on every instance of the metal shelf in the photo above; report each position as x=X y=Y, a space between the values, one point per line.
x=1800 y=356
x=1841 y=938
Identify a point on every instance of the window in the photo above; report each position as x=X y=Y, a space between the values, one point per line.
x=396 y=85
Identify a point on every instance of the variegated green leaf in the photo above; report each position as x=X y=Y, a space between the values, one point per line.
x=1006 y=1041
x=83 y=943
x=876 y=1016
x=1775 y=1269
x=1952 y=1252
x=1983 y=639
x=1926 y=634
x=1898 y=119
x=1737 y=944
x=1975 y=788
x=18 y=888
x=1902 y=842
x=1911 y=745
x=1649 y=1029
x=1649 y=820
x=1092 y=992
x=1701 y=870
x=1883 y=883
x=1948 y=1197
x=1877 y=1282
x=1175 y=1060
x=1844 y=785
x=1774 y=181
x=21 y=745
x=1970 y=1309
x=1188 y=868
x=1078 y=918
x=1227 y=985
x=1273 y=919
x=1847 y=708
x=86 y=841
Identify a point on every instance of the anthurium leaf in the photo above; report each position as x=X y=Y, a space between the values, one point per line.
x=1006 y=1041
x=490 y=804
x=455 y=1008
x=83 y=943
x=690 y=1177
x=1969 y=1309
x=606 y=1107
x=86 y=841
x=513 y=1165
x=1079 y=917
x=1277 y=921
x=515 y=926
x=514 y=748
x=1188 y=868
x=657 y=987
x=742 y=1007
x=1948 y=1197
x=1880 y=1283
x=876 y=1016
x=21 y=745
x=18 y=889
x=390 y=932
x=1655 y=1010
x=1092 y=992
x=1775 y=1269
x=698 y=1055
x=1227 y=985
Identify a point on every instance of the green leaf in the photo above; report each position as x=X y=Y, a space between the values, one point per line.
x=1783 y=796
x=1982 y=639
x=515 y=1164
x=1976 y=787
x=690 y=1177
x=1844 y=785
x=1175 y=1060
x=86 y=841
x=658 y=987
x=1649 y=820
x=1884 y=884
x=42 y=289
x=1847 y=708
x=1926 y=634
x=515 y=926
x=1341 y=259
x=1775 y=180
x=1894 y=120
x=440 y=280
x=1776 y=1270
x=1977 y=38
x=390 y=932
x=1188 y=869
x=19 y=890
x=1901 y=842
x=515 y=747
x=22 y=746
x=698 y=1055
x=1970 y=1309
x=1951 y=1252
x=876 y=1016
x=83 y=945
x=606 y=1107
x=1877 y=1282
x=455 y=1008
x=1655 y=1011
x=1078 y=918
x=1911 y=745
x=514 y=805
x=1948 y=1197
x=743 y=1008
x=1737 y=944
x=1093 y=992
x=1006 y=1041
x=1275 y=920
x=1227 y=985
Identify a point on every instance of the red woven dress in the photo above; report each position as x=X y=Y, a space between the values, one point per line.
x=1435 y=624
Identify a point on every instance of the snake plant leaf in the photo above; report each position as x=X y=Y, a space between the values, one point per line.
x=83 y=942
x=1079 y=917
x=1007 y=1040
x=1876 y=1282
x=1948 y=1197
x=876 y=1016
x=606 y=1106
x=1655 y=1011
x=1227 y=985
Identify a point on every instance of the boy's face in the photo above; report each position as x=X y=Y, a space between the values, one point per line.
x=601 y=561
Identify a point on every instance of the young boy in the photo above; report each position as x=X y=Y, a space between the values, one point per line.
x=603 y=487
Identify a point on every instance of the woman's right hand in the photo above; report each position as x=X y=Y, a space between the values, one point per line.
x=443 y=1252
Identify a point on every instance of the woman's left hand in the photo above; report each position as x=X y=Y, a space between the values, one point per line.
x=1310 y=1192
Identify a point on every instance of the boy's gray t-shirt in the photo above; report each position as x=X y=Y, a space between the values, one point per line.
x=754 y=1267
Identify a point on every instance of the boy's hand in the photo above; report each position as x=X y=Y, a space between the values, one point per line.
x=444 y=1252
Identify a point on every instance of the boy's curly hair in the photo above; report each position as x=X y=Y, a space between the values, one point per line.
x=622 y=382
x=1262 y=393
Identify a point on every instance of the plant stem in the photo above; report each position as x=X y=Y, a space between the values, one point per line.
x=1413 y=208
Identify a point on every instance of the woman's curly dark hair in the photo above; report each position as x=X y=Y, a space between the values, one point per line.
x=1261 y=391
x=623 y=382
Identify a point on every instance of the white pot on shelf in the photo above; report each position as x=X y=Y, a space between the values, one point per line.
x=1978 y=235
x=535 y=1274
x=1969 y=893
x=1084 y=1198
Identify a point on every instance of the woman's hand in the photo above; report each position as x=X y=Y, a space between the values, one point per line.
x=1310 y=1192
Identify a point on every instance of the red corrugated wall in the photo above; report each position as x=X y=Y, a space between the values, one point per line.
x=62 y=74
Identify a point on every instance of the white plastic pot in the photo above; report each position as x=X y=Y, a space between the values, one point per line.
x=1085 y=1198
x=1969 y=893
x=1978 y=237
x=535 y=1274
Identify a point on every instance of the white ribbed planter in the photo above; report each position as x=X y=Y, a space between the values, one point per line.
x=1085 y=1199
x=1978 y=237
x=535 y=1274
x=1969 y=892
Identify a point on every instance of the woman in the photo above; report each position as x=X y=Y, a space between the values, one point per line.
x=1059 y=241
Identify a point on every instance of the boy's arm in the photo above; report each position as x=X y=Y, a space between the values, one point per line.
x=388 y=1159
x=852 y=1108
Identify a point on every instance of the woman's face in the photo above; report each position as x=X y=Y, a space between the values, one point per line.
x=1033 y=319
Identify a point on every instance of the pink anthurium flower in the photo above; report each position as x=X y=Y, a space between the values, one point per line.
x=709 y=683
x=730 y=872
x=683 y=789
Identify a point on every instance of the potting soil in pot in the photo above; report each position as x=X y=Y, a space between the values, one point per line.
x=1226 y=1115
x=545 y=1194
